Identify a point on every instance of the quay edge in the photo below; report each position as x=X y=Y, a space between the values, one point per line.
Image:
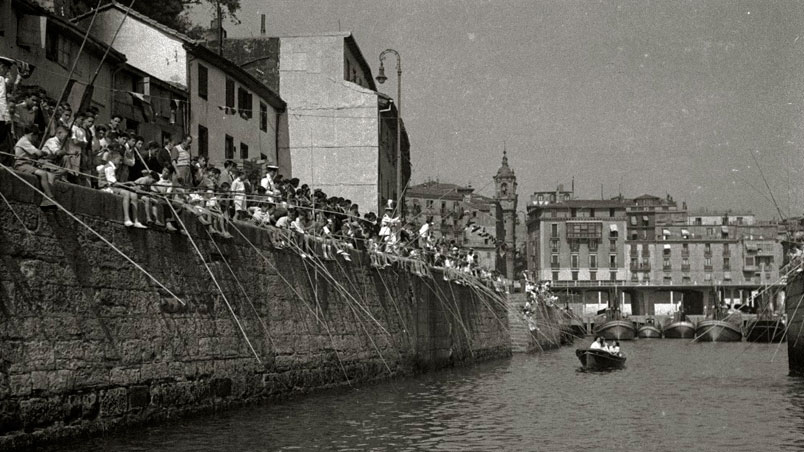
x=90 y=344
x=794 y=308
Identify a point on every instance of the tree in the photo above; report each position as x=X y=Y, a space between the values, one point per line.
x=172 y=13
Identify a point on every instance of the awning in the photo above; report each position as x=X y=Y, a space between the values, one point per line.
x=685 y=232
x=751 y=246
x=645 y=218
x=724 y=229
x=665 y=232
x=613 y=227
x=666 y=246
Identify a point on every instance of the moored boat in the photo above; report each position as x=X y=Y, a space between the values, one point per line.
x=598 y=359
x=679 y=327
x=765 y=330
x=614 y=327
x=649 y=332
x=713 y=330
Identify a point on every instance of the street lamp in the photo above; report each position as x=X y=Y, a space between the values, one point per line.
x=381 y=78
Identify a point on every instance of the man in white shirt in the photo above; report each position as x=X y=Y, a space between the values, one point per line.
x=6 y=86
x=596 y=345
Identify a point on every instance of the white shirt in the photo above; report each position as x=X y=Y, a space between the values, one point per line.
x=595 y=346
x=4 y=113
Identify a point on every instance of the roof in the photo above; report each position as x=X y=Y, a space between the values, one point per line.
x=647 y=196
x=70 y=28
x=437 y=190
x=586 y=203
x=138 y=15
x=505 y=171
x=239 y=73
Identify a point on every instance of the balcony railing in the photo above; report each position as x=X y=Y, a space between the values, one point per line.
x=555 y=265
x=685 y=268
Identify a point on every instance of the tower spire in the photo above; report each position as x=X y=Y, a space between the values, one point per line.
x=505 y=155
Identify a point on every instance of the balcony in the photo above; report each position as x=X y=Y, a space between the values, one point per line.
x=555 y=265
x=667 y=268
x=708 y=254
x=641 y=267
x=708 y=268
x=685 y=253
x=685 y=268
x=750 y=268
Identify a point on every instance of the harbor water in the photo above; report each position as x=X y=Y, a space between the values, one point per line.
x=674 y=395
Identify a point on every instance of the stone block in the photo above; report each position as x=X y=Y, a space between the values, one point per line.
x=113 y=402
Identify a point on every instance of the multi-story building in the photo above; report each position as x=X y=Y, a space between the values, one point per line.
x=578 y=240
x=232 y=115
x=713 y=218
x=342 y=132
x=459 y=214
x=646 y=211
x=541 y=198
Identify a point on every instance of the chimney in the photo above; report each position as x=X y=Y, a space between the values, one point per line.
x=262 y=24
x=212 y=33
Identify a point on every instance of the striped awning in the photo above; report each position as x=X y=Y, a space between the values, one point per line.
x=665 y=232
x=666 y=246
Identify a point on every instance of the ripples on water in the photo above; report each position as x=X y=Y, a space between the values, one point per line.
x=674 y=395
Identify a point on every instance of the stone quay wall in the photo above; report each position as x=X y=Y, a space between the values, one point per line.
x=89 y=343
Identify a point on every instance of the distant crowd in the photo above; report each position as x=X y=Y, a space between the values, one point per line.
x=54 y=142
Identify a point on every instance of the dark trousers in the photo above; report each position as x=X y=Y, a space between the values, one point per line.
x=6 y=145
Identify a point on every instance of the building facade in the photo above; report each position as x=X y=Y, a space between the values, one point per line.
x=459 y=214
x=230 y=114
x=342 y=132
x=34 y=35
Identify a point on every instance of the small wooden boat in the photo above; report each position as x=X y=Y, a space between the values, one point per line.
x=614 y=327
x=679 y=327
x=599 y=359
x=765 y=330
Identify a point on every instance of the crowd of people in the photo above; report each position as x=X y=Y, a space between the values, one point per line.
x=600 y=344
x=54 y=142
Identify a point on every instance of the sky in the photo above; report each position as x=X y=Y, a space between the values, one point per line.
x=659 y=97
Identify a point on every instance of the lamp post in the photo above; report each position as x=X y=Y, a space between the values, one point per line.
x=381 y=78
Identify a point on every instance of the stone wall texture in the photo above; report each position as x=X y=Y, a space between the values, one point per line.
x=89 y=343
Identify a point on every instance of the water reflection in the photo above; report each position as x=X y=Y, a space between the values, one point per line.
x=673 y=395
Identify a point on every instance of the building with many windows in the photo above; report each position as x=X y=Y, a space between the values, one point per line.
x=577 y=240
x=231 y=114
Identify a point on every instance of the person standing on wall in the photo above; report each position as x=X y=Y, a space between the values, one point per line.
x=6 y=86
x=182 y=159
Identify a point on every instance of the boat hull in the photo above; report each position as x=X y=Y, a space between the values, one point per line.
x=717 y=331
x=679 y=330
x=765 y=330
x=596 y=359
x=616 y=330
x=649 y=332
x=795 y=321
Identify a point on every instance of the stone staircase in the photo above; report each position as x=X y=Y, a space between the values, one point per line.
x=521 y=339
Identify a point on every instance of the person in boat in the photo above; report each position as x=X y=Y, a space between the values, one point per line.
x=615 y=349
x=597 y=344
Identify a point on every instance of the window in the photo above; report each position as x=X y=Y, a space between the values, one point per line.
x=613 y=245
x=593 y=276
x=553 y=213
x=57 y=48
x=244 y=103
x=202 y=81
x=611 y=213
x=554 y=260
x=592 y=213
x=593 y=261
x=667 y=252
x=555 y=245
x=685 y=263
x=666 y=265
x=707 y=248
x=726 y=250
x=707 y=276
x=574 y=261
x=584 y=230
x=575 y=245
x=749 y=261
x=686 y=279
x=708 y=262
x=633 y=220
x=243 y=151
x=554 y=230
x=726 y=263
x=574 y=276
x=668 y=279
x=203 y=141
x=612 y=261
x=698 y=221
x=540 y=198
x=709 y=231
x=429 y=203
x=613 y=276
x=573 y=213
x=263 y=117
x=555 y=276
x=229 y=147
x=230 y=96
x=593 y=246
